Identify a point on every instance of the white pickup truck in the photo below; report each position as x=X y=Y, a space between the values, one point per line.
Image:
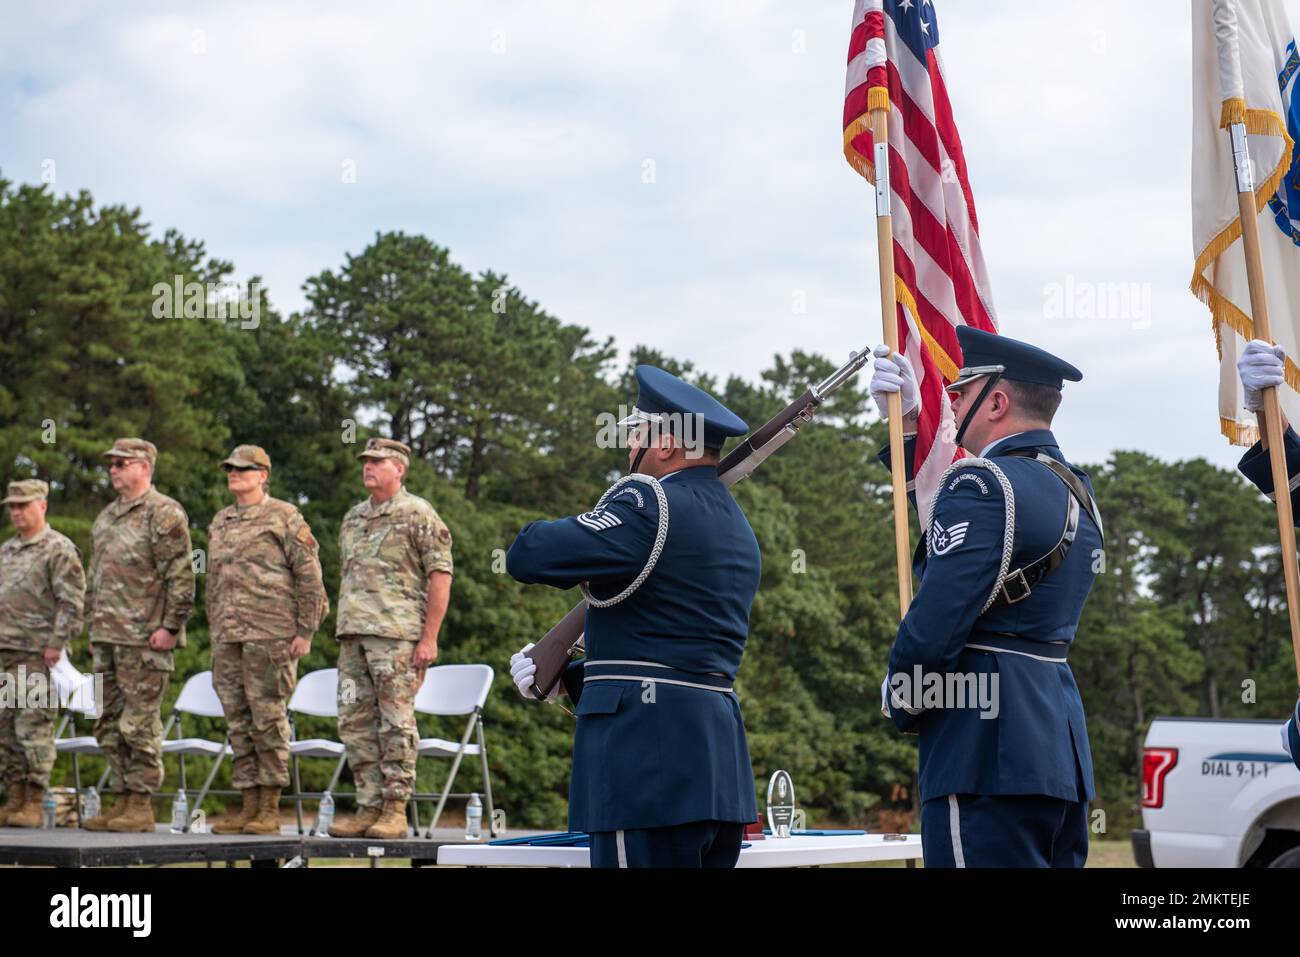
x=1217 y=793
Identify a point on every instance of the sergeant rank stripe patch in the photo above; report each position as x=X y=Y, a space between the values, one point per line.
x=599 y=521
x=946 y=539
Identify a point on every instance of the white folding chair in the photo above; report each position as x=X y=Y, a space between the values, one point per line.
x=317 y=695
x=198 y=698
x=455 y=690
x=77 y=695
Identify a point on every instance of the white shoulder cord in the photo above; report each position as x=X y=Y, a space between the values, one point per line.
x=1009 y=529
x=661 y=536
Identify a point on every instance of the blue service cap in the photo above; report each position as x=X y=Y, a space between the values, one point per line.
x=661 y=395
x=984 y=352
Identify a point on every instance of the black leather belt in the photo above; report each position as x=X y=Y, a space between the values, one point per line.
x=1054 y=652
x=627 y=670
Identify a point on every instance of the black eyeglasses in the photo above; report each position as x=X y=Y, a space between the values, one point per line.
x=241 y=468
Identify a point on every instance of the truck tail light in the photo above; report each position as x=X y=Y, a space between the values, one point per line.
x=1156 y=763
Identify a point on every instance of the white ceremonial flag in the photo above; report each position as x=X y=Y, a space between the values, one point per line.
x=1244 y=70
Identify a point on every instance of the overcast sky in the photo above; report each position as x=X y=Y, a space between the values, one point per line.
x=522 y=136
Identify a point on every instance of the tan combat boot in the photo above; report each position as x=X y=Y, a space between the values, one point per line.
x=31 y=813
x=100 y=821
x=391 y=825
x=267 y=820
x=235 y=824
x=15 y=794
x=356 y=825
x=138 y=816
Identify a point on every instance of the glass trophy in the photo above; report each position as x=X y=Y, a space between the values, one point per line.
x=780 y=804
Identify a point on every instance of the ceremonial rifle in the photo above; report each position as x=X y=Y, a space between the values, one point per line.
x=554 y=650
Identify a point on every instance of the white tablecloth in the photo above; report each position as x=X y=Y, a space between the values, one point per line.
x=793 y=851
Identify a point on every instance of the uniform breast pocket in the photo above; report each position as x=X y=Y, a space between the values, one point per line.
x=357 y=545
x=392 y=544
x=603 y=698
x=263 y=550
x=369 y=544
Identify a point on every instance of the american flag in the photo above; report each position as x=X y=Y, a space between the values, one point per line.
x=939 y=270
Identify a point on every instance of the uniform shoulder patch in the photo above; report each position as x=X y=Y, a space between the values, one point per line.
x=630 y=494
x=970 y=475
x=599 y=520
x=170 y=521
x=944 y=540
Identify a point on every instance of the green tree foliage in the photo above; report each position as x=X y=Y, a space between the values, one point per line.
x=503 y=405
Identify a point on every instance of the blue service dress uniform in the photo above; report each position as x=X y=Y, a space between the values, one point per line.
x=1005 y=780
x=661 y=770
x=1255 y=465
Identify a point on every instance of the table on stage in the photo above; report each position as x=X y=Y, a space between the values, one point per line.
x=794 y=851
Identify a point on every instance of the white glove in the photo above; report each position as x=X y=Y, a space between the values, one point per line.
x=1261 y=365
x=1286 y=740
x=892 y=372
x=884 y=697
x=522 y=670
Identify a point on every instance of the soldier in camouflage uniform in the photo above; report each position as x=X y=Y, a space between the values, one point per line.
x=42 y=588
x=265 y=600
x=141 y=592
x=396 y=581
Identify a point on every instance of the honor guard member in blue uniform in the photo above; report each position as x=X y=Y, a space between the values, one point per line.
x=1261 y=366
x=661 y=770
x=978 y=668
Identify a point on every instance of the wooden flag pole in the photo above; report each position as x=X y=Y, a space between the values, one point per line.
x=889 y=318
x=1271 y=422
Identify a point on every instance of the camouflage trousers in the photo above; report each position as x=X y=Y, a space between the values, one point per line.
x=254 y=680
x=129 y=728
x=377 y=686
x=26 y=733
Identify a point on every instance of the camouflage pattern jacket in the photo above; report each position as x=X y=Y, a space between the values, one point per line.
x=388 y=550
x=264 y=577
x=141 y=578
x=42 y=589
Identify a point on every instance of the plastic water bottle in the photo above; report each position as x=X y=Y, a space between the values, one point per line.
x=180 y=812
x=49 y=810
x=474 y=818
x=90 y=800
x=325 y=815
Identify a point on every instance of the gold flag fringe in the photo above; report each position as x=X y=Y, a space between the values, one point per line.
x=877 y=99
x=941 y=358
x=1222 y=309
x=1237 y=433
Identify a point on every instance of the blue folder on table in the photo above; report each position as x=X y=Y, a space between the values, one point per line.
x=558 y=839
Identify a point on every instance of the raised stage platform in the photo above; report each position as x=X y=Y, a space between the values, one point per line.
x=72 y=847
